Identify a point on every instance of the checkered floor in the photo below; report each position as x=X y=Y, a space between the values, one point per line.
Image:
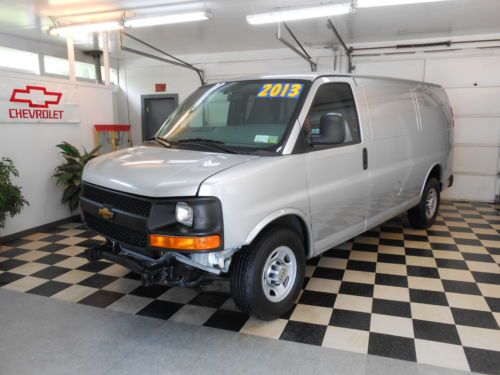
x=430 y=296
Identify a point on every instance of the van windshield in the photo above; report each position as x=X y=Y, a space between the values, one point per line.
x=236 y=116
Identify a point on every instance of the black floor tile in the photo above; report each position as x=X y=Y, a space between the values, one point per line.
x=87 y=234
x=337 y=253
x=444 y=246
x=493 y=250
x=428 y=296
x=391 y=280
x=52 y=259
x=365 y=247
x=394 y=308
x=310 y=297
x=132 y=276
x=483 y=361
x=423 y=271
x=228 y=320
x=391 y=242
x=474 y=318
x=101 y=298
x=98 y=281
x=467 y=241
x=210 y=299
x=486 y=277
x=153 y=291
x=51 y=272
x=49 y=288
x=16 y=243
x=8 y=277
x=486 y=237
x=493 y=303
x=452 y=263
x=436 y=233
x=413 y=237
x=54 y=238
x=304 y=333
x=328 y=273
x=350 y=319
x=434 y=331
x=482 y=226
x=160 y=309
x=391 y=258
x=52 y=248
x=418 y=252
x=357 y=289
x=461 y=287
x=12 y=253
x=95 y=266
x=313 y=261
x=392 y=346
x=10 y=264
x=478 y=257
x=359 y=265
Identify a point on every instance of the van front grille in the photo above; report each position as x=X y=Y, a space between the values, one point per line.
x=120 y=201
x=117 y=232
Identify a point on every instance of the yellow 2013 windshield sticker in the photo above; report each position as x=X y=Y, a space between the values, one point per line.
x=280 y=90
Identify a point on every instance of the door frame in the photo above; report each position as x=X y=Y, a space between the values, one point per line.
x=154 y=96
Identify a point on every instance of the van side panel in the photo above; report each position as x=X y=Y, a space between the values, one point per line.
x=392 y=149
x=436 y=140
x=410 y=125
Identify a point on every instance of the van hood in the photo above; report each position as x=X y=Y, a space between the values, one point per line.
x=157 y=171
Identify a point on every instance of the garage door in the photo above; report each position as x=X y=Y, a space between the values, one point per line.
x=473 y=86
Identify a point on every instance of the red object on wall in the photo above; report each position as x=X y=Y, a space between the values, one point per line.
x=112 y=128
x=160 y=87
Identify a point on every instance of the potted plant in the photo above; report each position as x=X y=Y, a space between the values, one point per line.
x=69 y=174
x=11 y=197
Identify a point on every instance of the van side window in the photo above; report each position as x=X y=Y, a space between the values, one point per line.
x=334 y=100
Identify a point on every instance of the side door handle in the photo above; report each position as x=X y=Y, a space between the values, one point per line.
x=365 y=158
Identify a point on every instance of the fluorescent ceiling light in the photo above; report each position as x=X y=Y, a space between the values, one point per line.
x=85 y=28
x=299 y=14
x=167 y=19
x=382 y=3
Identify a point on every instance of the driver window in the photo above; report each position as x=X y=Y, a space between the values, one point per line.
x=334 y=98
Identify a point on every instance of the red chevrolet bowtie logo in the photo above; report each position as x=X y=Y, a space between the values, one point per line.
x=35 y=96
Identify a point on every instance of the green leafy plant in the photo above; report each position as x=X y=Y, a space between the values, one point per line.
x=69 y=174
x=11 y=198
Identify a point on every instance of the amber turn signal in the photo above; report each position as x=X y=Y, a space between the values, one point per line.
x=185 y=243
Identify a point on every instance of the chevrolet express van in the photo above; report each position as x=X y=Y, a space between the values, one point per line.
x=249 y=178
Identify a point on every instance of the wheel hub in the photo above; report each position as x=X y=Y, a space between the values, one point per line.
x=431 y=203
x=279 y=274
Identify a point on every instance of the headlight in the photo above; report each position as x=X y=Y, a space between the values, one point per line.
x=184 y=214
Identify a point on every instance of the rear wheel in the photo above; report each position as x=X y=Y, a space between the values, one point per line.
x=424 y=215
x=266 y=277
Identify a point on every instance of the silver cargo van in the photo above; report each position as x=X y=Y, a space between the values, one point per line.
x=249 y=178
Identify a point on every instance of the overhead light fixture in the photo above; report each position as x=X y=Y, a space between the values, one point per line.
x=85 y=28
x=299 y=14
x=383 y=3
x=168 y=19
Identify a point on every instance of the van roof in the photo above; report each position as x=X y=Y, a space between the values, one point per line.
x=313 y=76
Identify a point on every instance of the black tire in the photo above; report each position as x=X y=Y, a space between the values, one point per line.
x=418 y=216
x=247 y=271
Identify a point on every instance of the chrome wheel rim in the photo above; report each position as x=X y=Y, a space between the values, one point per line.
x=280 y=272
x=431 y=203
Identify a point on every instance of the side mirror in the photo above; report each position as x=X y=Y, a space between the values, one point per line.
x=331 y=130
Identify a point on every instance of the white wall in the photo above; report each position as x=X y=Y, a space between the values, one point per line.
x=32 y=148
x=477 y=113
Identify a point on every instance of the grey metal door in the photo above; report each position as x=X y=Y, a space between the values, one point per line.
x=155 y=110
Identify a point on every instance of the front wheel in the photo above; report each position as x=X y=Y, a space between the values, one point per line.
x=424 y=215
x=267 y=276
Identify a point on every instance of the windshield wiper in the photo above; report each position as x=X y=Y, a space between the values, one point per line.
x=213 y=144
x=163 y=142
